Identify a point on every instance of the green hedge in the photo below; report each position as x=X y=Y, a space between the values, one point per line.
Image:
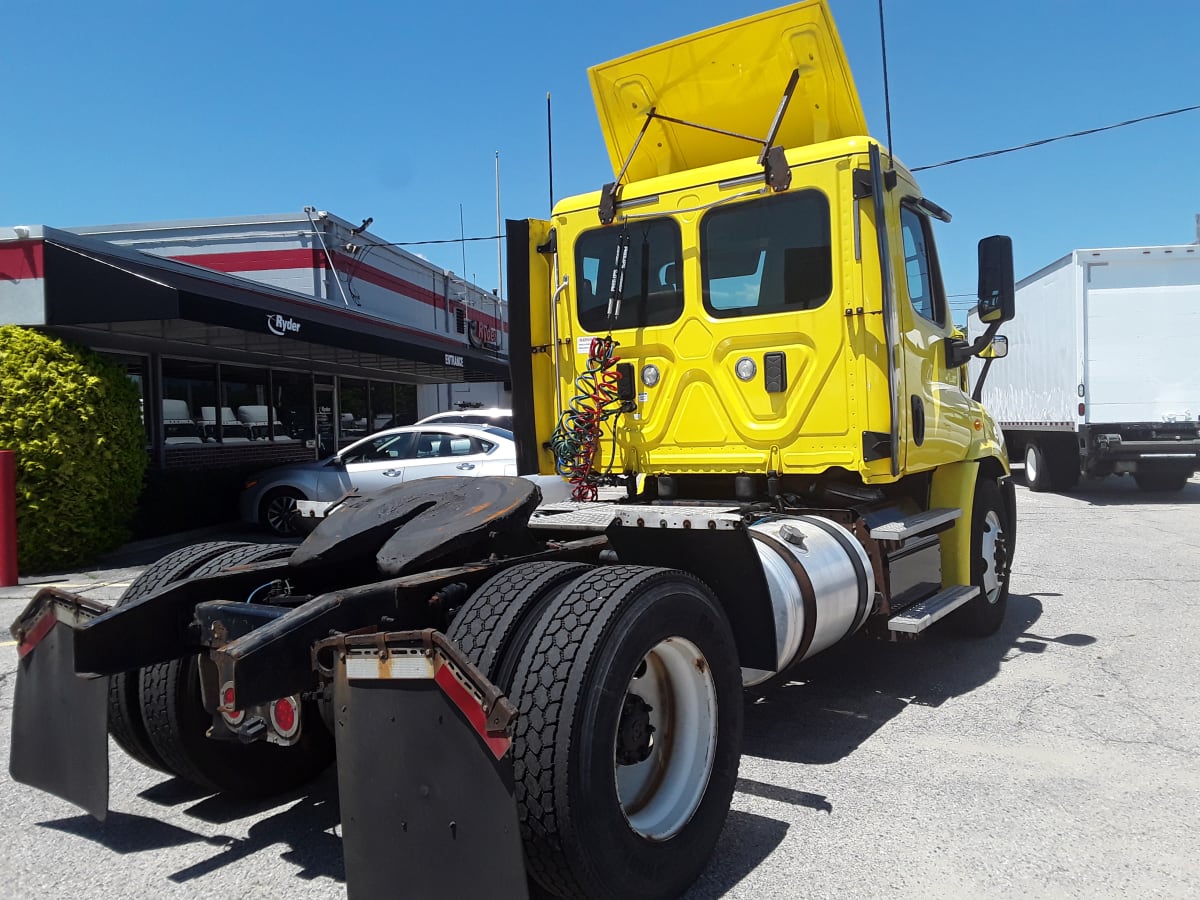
x=73 y=419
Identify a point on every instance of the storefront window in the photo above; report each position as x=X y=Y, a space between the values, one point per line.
x=406 y=404
x=188 y=387
x=243 y=409
x=353 y=412
x=293 y=407
x=383 y=405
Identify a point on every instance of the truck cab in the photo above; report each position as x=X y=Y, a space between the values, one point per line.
x=778 y=311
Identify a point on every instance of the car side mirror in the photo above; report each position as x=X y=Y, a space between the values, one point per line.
x=997 y=288
x=997 y=349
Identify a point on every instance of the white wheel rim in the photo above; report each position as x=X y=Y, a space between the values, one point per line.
x=660 y=794
x=992 y=533
x=1031 y=469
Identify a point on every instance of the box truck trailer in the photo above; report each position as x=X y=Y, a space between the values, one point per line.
x=1101 y=378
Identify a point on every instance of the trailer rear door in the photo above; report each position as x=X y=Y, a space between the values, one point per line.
x=1142 y=310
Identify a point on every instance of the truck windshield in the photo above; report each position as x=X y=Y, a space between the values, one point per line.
x=653 y=293
x=767 y=256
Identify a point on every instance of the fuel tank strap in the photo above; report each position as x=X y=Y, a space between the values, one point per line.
x=808 y=596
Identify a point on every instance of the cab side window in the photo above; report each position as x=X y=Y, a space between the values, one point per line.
x=921 y=271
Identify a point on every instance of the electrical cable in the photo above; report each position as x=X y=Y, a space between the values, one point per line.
x=1061 y=137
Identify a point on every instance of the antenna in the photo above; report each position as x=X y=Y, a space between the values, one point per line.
x=499 y=241
x=462 y=239
x=887 y=103
x=550 y=150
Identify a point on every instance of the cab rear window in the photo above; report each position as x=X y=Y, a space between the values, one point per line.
x=767 y=256
x=653 y=287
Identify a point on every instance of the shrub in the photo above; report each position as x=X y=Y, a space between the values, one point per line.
x=73 y=419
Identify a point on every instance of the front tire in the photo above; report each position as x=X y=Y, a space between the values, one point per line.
x=991 y=562
x=626 y=749
x=277 y=512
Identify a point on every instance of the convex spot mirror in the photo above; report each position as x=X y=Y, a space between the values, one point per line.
x=997 y=349
x=997 y=289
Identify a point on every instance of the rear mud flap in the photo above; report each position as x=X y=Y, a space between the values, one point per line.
x=426 y=788
x=60 y=719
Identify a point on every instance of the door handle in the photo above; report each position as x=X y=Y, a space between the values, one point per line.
x=465 y=466
x=392 y=473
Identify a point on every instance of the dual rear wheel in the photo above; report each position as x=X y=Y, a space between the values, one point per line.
x=627 y=744
x=157 y=717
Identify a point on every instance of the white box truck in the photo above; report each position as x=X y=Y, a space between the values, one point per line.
x=1102 y=377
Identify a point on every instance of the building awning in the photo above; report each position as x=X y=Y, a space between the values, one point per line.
x=89 y=283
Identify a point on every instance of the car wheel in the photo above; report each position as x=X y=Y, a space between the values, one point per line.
x=277 y=512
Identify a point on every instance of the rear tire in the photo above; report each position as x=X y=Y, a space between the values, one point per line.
x=990 y=563
x=608 y=807
x=125 y=723
x=177 y=722
x=1156 y=482
x=1051 y=466
x=494 y=625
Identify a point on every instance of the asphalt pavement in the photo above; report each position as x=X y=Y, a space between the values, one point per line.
x=1058 y=758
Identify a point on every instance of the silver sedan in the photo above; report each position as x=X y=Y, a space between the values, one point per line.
x=381 y=460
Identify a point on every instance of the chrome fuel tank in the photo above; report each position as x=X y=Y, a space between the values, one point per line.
x=821 y=584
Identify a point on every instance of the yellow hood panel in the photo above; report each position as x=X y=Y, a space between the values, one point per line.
x=730 y=77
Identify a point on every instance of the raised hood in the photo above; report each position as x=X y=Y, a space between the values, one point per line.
x=731 y=77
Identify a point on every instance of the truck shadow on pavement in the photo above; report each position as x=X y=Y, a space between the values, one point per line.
x=841 y=698
x=305 y=823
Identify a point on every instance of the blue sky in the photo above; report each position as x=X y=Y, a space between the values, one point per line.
x=124 y=111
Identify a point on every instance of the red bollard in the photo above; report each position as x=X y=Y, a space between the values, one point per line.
x=8 y=518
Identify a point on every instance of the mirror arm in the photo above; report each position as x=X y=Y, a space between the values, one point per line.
x=977 y=391
x=958 y=352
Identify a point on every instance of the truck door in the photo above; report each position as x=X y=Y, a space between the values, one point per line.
x=932 y=401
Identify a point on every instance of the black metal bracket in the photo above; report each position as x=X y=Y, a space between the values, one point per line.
x=776 y=169
x=876 y=445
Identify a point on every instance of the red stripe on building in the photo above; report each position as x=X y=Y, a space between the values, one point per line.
x=256 y=260
x=276 y=260
x=21 y=259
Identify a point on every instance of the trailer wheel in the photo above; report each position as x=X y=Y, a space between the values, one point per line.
x=1161 y=481
x=1051 y=465
x=626 y=748
x=177 y=723
x=125 y=723
x=494 y=625
x=990 y=563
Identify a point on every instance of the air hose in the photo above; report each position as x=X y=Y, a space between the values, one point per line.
x=576 y=440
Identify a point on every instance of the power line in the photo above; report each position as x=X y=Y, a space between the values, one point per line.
x=1061 y=137
x=490 y=237
x=948 y=162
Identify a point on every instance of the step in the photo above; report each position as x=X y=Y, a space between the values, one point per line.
x=917 y=523
x=921 y=615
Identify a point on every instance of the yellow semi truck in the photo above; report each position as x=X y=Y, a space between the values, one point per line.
x=746 y=333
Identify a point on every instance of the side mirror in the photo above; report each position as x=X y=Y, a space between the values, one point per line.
x=997 y=349
x=997 y=288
